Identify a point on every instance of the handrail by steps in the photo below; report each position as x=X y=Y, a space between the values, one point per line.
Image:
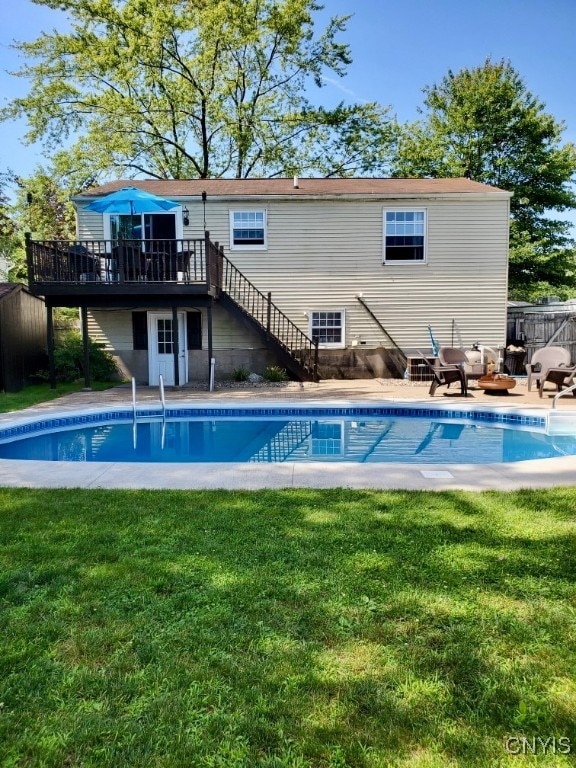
x=571 y=388
x=271 y=319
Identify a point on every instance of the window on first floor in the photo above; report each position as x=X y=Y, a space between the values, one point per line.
x=248 y=230
x=404 y=236
x=327 y=327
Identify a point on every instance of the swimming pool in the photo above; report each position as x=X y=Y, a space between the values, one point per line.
x=361 y=434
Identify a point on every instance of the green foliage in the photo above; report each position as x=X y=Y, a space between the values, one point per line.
x=240 y=374
x=44 y=207
x=10 y=236
x=275 y=373
x=175 y=90
x=484 y=124
x=69 y=360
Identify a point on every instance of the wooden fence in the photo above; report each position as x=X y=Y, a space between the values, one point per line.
x=535 y=327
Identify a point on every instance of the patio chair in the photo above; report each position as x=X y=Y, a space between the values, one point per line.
x=444 y=375
x=131 y=261
x=561 y=377
x=542 y=360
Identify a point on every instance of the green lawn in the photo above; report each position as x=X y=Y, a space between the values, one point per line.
x=40 y=393
x=286 y=629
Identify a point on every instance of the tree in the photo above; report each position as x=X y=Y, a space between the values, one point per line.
x=195 y=89
x=42 y=207
x=485 y=125
x=10 y=235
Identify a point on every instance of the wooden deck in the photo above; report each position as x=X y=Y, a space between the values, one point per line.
x=98 y=271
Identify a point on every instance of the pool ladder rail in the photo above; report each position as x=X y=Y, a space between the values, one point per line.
x=571 y=388
x=149 y=415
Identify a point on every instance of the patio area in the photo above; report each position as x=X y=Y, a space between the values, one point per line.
x=498 y=476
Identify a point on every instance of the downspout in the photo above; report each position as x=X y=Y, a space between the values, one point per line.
x=176 y=346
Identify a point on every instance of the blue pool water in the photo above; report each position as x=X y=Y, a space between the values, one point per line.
x=269 y=438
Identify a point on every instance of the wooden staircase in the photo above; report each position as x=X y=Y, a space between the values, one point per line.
x=294 y=350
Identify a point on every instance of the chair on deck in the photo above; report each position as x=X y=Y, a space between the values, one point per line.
x=131 y=261
x=444 y=375
x=82 y=265
x=544 y=359
x=169 y=266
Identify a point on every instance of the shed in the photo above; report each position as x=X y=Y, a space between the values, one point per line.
x=22 y=336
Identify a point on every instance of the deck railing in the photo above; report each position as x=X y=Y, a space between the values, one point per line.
x=118 y=261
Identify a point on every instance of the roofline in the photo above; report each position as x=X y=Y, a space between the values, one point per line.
x=499 y=194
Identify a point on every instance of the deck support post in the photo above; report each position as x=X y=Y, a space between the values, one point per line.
x=210 y=350
x=86 y=346
x=176 y=345
x=50 y=345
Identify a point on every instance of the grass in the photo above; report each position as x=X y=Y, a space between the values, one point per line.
x=40 y=393
x=286 y=629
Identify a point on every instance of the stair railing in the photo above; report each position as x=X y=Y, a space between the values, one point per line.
x=262 y=309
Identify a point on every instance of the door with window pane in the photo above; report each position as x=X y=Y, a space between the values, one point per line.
x=161 y=340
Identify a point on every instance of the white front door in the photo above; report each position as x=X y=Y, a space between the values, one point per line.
x=161 y=348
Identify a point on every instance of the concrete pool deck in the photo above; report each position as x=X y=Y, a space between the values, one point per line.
x=539 y=473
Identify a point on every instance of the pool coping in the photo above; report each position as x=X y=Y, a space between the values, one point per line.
x=538 y=473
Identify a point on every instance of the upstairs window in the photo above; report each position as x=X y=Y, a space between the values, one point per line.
x=248 y=230
x=405 y=237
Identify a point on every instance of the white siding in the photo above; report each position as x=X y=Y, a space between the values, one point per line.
x=113 y=328
x=323 y=252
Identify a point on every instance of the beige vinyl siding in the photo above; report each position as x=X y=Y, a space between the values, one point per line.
x=229 y=334
x=322 y=253
x=113 y=328
x=90 y=225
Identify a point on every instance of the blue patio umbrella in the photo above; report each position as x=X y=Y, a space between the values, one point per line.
x=130 y=201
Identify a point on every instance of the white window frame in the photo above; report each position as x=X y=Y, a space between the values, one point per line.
x=326 y=446
x=328 y=345
x=179 y=228
x=405 y=209
x=249 y=246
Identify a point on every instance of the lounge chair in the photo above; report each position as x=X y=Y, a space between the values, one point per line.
x=544 y=359
x=444 y=375
x=470 y=360
x=561 y=377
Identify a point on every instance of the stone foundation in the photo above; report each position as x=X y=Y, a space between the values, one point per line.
x=357 y=363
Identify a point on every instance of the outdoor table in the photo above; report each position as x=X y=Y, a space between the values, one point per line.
x=496 y=382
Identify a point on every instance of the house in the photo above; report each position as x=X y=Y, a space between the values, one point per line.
x=326 y=277
x=22 y=336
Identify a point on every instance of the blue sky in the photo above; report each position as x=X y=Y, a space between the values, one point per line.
x=397 y=47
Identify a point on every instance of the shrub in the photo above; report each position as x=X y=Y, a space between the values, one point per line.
x=275 y=373
x=69 y=360
x=240 y=374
